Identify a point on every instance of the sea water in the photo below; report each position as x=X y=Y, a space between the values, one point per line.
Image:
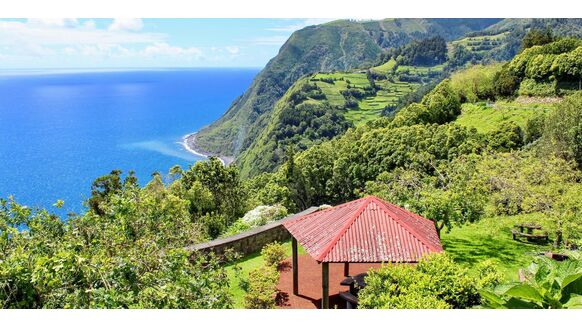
x=59 y=130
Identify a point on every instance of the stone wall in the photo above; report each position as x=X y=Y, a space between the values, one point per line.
x=250 y=241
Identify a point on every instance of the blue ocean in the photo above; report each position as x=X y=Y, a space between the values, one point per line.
x=61 y=130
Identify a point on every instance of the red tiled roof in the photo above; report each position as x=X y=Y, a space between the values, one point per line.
x=365 y=230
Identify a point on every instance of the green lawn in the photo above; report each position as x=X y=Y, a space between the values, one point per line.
x=488 y=118
x=490 y=238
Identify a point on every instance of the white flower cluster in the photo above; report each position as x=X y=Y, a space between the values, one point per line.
x=263 y=214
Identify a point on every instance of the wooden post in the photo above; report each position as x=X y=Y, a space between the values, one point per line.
x=325 y=285
x=347 y=269
x=295 y=267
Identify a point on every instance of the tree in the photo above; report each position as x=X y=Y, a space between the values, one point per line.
x=563 y=129
x=128 y=256
x=222 y=182
x=537 y=37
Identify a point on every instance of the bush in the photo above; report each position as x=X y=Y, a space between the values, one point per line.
x=534 y=128
x=563 y=129
x=273 y=254
x=436 y=282
x=475 y=83
x=505 y=83
x=531 y=88
x=488 y=274
x=262 y=288
x=507 y=137
x=262 y=215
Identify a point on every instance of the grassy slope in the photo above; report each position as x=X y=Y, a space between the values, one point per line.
x=338 y=45
x=490 y=238
x=265 y=153
x=488 y=118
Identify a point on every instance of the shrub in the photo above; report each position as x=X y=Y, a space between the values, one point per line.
x=262 y=288
x=237 y=227
x=531 y=88
x=475 y=83
x=436 y=282
x=507 y=137
x=273 y=254
x=534 y=128
x=488 y=274
x=563 y=129
x=505 y=83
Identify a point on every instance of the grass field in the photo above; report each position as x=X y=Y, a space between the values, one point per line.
x=487 y=118
x=489 y=238
x=385 y=68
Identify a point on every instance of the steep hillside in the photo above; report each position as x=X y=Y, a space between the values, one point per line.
x=501 y=41
x=321 y=106
x=339 y=45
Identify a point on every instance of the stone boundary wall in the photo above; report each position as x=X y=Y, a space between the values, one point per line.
x=252 y=240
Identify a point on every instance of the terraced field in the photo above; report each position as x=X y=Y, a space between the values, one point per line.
x=388 y=91
x=481 y=44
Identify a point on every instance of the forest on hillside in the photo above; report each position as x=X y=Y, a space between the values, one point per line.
x=432 y=157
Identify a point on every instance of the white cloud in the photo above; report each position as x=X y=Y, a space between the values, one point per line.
x=72 y=42
x=126 y=24
x=90 y=24
x=53 y=22
x=37 y=32
x=233 y=50
x=164 y=49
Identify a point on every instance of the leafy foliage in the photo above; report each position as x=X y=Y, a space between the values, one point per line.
x=273 y=253
x=129 y=257
x=563 y=129
x=548 y=285
x=426 y=52
x=543 y=70
x=262 y=288
x=436 y=282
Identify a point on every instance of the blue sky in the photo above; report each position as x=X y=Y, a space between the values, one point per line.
x=127 y=43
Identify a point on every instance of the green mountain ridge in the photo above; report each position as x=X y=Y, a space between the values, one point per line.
x=322 y=106
x=339 y=45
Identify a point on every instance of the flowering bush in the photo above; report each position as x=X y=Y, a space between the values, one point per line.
x=263 y=214
x=257 y=217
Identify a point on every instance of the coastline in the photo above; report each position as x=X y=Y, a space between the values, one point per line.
x=189 y=143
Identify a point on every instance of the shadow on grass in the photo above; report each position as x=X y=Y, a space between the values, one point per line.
x=508 y=253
